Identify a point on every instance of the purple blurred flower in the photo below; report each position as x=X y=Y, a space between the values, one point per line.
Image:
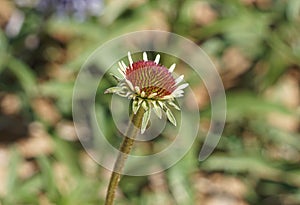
x=79 y=9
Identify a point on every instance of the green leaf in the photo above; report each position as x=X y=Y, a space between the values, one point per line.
x=66 y=154
x=3 y=50
x=255 y=165
x=63 y=97
x=24 y=74
x=47 y=176
x=68 y=27
x=50 y=89
x=113 y=10
x=247 y=104
x=12 y=182
x=293 y=9
x=179 y=179
x=274 y=134
x=28 y=189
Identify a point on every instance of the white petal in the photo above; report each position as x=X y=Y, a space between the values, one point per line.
x=177 y=95
x=122 y=73
x=135 y=106
x=130 y=96
x=171 y=117
x=129 y=84
x=145 y=58
x=157 y=59
x=144 y=105
x=140 y=101
x=122 y=84
x=137 y=89
x=178 y=92
x=181 y=87
x=122 y=67
x=161 y=104
x=122 y=62
x=113 y=90
x=157 y=110
x=130 y=59
x=143 y=94
x=127 y=95
x=172 y=67
x=167 y=97
x=152 y=95
x=116 y=77
x=145 y=120
x=179 y=79
x=174 y=105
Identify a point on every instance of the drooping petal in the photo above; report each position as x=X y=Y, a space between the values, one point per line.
x=145 y=120
x=135 y=106
x=174 y=105
x=113 y=90
x=170 y=116
x=161 y=104
x=157 y=109
x=145 y=105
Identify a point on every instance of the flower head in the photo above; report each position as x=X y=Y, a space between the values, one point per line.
x=149 y=85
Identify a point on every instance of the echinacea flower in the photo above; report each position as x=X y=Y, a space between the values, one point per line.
x=150 y=85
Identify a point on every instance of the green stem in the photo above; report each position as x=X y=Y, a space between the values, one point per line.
x=125 y=148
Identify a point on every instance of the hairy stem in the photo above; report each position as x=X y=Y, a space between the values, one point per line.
x=125 y=148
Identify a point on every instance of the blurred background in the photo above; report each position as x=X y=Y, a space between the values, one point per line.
x=255 y=45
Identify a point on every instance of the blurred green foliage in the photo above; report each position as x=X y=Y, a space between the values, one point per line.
x=256 y=48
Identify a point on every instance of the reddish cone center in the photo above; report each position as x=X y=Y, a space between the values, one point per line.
x=151 y=78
